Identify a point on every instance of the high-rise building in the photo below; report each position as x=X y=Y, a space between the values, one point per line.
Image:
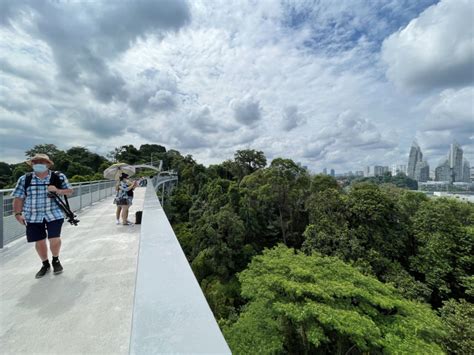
x=375 y=170
x=442 y=171
x=414 y=157
x=452 y=168
x=422 y=171
x=466 y=171
x=367 y=171
x=455 y=162
x=325 y=171
x=396 y=169
x=359 y=173
x=333 y=173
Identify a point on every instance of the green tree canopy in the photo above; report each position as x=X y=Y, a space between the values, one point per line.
x=323 y=182
x=247 y=161
x=445 y=236
x=84 y=157
x=303 y=304
x=458 y=319
x=50 y=149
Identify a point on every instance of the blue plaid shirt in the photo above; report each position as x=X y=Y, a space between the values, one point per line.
x=38 y=206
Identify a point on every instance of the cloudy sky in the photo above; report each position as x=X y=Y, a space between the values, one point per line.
x=337 y=84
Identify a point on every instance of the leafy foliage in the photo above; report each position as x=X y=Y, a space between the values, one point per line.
x=369 y=258
x=458 y=319
x=315 y=302
x=445 y=236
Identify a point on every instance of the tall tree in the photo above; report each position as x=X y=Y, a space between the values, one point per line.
x=86 y=158
x=289 y=188
x=50 y=149
x=444 y=229
x=302 y=304
x=249 y=160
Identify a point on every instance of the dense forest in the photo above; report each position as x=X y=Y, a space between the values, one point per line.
x=294 y=263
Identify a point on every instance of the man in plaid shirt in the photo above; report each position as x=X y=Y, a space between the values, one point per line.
x=40 y=214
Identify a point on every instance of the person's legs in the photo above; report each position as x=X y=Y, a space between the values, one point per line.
x=42 y=249
x=55 y=246
x=36 y=233
x=54 y=236
x=117 y=212
x=125 y=214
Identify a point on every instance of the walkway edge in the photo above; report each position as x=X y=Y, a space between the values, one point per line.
x=170 y=313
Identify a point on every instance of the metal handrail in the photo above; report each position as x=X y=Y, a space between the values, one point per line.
x=85 y=194
x=72 y=183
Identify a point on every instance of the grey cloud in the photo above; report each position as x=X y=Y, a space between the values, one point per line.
x=162 y=100
x=435 y=50
x=202 y=121
x=102 y=126
x=14 y=104
x=246 y=111
x=154 y=90
x=450 y=117
x=238 y=138
x=317 y=149
x=354 y=131
x=11 y=142
x=292 y=118
x=24 y=73
x=349 y=134
x=83 y=36
x=10 y=9
x=190 y=140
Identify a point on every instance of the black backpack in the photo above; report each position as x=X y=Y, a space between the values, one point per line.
x=54 y=180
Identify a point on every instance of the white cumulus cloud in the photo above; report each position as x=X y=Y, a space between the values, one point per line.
x=434 y=50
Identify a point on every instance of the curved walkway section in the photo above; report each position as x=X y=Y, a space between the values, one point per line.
x=171 y=314
x=85 y=310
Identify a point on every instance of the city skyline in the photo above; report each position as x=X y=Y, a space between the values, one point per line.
x=453 y=159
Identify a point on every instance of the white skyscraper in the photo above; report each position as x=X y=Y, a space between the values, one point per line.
x=414 y=157
x=466 y=171
x=397 y=168
x=422 y=171
x=442 y=172
x=455 y=162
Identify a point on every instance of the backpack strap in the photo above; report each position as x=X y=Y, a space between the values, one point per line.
x=55 y=180
x=28 y=178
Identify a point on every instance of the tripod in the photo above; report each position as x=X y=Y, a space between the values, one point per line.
x=64 y=205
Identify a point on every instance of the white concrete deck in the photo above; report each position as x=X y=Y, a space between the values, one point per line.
x=85 y=310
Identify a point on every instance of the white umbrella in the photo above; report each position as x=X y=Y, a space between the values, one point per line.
x=114 y=172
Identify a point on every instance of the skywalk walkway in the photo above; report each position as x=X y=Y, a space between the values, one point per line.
x=124 y=289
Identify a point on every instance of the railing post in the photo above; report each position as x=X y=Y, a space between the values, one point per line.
x=100 y=189
x=80 y=195
x=90 y=190
x=1 y=220
x=163 y=195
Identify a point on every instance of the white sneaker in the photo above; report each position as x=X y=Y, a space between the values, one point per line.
x=117 y=222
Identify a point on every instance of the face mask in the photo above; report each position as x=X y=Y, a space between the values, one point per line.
x=40 y=168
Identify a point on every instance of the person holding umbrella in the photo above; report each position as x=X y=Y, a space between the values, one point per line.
x=123 y=200
x=121 y=172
